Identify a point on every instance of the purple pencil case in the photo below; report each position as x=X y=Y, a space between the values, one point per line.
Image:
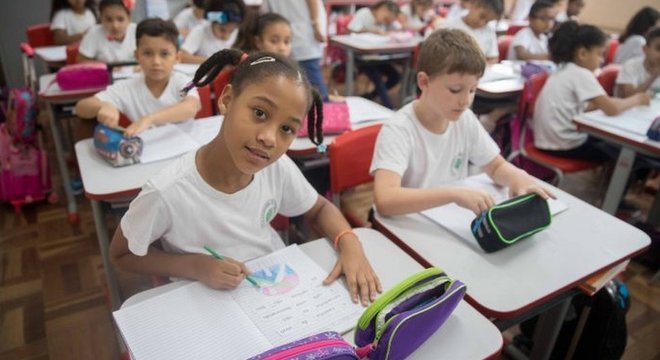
x=322 y=346
x=404 y=317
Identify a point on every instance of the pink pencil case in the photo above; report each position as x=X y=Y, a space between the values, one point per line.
x=336 y=119
x=323 y=346
x=87 y=75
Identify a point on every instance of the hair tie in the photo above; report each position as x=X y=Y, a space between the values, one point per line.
x=321 y=148
x=263 y=60
x=223 y=17
x=129 y=4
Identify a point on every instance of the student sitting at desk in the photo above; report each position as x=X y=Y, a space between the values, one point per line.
x=632 y=39
x=269 y=32
x=431 y=141
x=475 y=23
x=531 y=43
x=379 y=18
x=642 y=74
x=152 y=97
x=219 y=32
x=70 y=19
x=225 y=194
x=114 y=39
x=190 y=17
x=573 y=89
x=416 y=15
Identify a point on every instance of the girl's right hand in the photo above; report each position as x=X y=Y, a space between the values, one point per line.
x=108 y=115
x=475 y=200
x=220 y=274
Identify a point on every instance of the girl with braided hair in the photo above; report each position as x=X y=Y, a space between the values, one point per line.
x=225 y=194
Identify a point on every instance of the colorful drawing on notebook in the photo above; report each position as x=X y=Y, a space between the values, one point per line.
x=276 y=280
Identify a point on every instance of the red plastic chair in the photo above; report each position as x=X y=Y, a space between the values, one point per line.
x=526 y=148
x=72 y=53
x=607 y=77
x=206 y=101
x=612 y=46
x=350 y=157
x=514 y=28
x=40 y=35
x=503 y=44
x=218 y=86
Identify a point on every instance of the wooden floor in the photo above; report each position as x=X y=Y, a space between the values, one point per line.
x=53 y=303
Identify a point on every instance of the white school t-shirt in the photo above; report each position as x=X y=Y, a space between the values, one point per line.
x=521 y=9
x=630 y=49
x=634 y=73
x=424 y=159
x=186 y=213
x=564 y=95
x=95 y=45
x=201 y=41
x=132 y=97
x=414 y=21
x=456 y=11
x=528 y=40
x=485 y=36
x=186 y=19
x=303 y=44
x=72 y=23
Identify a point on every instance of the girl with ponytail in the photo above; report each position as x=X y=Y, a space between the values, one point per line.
x=225 y=194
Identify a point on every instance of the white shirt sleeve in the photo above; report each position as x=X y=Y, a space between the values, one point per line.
x=89 y=43
x=629 y=73
x=361 y=21
x=393 y=150
x=587 y=86
x=115 y=94
x=58 y=22
x=193 y=41
x=493 y=50
x=146 y=220
x=298 y=195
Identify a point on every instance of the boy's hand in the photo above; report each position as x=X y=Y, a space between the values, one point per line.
x=644 y=98
x=475 y=200
x=137 y=127
x=108 y=115
x=219 y=274
x=360 y=277
x=531 y=187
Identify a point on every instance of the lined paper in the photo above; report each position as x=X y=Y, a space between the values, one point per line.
x=164 y=142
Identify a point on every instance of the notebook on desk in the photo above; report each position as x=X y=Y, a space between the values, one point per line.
x=636 y=120
x=457 y=219
x=196 y=322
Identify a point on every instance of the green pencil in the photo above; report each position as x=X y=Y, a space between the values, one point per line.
x=220 y=257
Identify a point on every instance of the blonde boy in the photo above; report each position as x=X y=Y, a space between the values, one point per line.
x=431 y=141
x=153 y=96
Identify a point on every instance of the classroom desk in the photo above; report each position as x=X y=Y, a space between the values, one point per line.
x=465 y=325
x=539 y=273
x=354 y=45
x=501 y=81
x=51 y=54
x=631 y=143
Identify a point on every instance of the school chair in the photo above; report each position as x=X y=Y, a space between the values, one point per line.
x=72 y=53
x=218 y=85
x=525 y=143
x=337 y=56
x=612 y=46
x=503 y=44
x=40 y=35
x=607 y=77
x=206 y=101
x=514 y=28
x=350 y=157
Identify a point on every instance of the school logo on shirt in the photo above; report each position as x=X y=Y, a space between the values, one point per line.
x=457 y=163
x=268 y=212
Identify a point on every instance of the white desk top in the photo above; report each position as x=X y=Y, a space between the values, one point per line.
x=501 y=79
x=51 y=53
x=464 y=326
x=580 y=241
x=361 y=44
x=50 y=91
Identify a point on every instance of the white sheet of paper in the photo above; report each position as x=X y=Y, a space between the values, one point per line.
x=636 y=120
x=457 y=219
x=371 y=38
x=51 y=53
x=164 y=142
x=497 y=72
x=363 y=110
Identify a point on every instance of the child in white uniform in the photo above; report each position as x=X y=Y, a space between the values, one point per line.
x=114 y=39
x=573 y=89
x=219 y=32
x=225 y=194
x=416 y=15
x=632 y=39
x=190 y=17
x=269 y=32
x=642 y=74
x=433 y=140
x=152 y=97
x=531 y=43
x=70 y=19
x=475 y=23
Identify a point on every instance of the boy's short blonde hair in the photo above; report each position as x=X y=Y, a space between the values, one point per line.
x=449 y=51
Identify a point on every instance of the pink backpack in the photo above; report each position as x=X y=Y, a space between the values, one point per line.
x=87 y=75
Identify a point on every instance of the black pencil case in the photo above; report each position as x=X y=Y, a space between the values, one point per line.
x=511 y=221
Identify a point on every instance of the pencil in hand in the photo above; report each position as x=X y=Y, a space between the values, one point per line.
x=220 y=257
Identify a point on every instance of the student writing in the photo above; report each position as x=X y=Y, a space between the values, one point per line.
x=114 y=39
x=225 y=194
x=70 y=19
x=153 y=96
x=431 y=141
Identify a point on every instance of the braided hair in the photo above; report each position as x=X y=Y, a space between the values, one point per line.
x=254 y=68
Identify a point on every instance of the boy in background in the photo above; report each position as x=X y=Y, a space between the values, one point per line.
x=152 y=97
x=531 y=43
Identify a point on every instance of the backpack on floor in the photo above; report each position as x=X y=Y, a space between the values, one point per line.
x=21 y=115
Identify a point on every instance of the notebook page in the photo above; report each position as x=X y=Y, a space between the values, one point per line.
x=292 y=302
x=164 y=142
x=636 y=120
x=362 y=110
x=457 y=219
x=189 y=322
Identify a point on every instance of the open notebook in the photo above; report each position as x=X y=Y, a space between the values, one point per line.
x=196 y=322
x=636 y=120
x=457 y=219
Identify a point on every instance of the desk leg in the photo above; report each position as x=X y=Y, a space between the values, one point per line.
x=104 y=244
x=72 y=207
x=350 y=69
x=547 y=330
x=619 y=179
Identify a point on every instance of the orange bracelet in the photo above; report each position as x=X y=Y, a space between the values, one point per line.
x=338 y=237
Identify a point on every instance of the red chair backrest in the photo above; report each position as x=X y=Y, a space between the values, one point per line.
x=350 y=158
x=72 y=53
x=530 y=93
x=612 y=46
x=503 y=44
x=219 y=85
x=514 y=28
x=342 y=23
x=206 y=101
x=607 y=77
x=40 y=35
